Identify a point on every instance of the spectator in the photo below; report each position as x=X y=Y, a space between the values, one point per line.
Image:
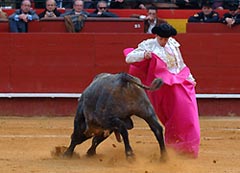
x=50 y=10
x=232 y=17
x=175 y=102
x=206 y=15
x=18 y=3
x=68 y=4
x=102 y=11
x=152 y=20
x=18 y=21
x=3 y=15
x=78 y=8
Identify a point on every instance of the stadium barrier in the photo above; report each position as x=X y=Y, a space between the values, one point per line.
x=176 y=17
x=65 y=63
x=211 y=28
x=93 y=24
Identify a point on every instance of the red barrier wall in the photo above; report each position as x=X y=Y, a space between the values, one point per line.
x=211 y=28
x=56 y=62
x=91 y=25
x=66 y=63
x=4 y=27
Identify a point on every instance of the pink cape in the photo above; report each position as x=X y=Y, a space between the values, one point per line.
x=175 y=103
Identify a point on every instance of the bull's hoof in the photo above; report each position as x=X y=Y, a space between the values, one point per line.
x=59 y=151
x=130 y=157
x=164 y=157
x=91 y=153
x=67 y=154
x=130 y=154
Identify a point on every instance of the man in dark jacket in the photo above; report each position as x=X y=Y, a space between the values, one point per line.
x=78 y=9
x=152 y=19
x=102 y=11
x=50 y=10
x=18 y=21
x=206 y=15
x=232 y=17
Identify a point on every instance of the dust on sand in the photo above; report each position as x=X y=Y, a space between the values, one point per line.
x=28 y=145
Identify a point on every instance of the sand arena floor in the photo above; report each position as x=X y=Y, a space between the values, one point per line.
x=26 y=144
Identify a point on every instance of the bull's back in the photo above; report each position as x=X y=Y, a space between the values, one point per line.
x=112 y=94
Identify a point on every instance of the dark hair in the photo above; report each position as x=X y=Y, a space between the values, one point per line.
x=152 y=8
x=101 y=2
x=207 y=4
x=25 y=1
x=233 y=7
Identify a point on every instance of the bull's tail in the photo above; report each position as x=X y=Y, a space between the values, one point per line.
x=156 y=83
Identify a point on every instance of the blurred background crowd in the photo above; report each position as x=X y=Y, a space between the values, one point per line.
x=128 y=4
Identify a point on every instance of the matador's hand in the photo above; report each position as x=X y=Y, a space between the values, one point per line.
x=147 y=55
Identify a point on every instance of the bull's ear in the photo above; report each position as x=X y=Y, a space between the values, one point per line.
x=127 y=51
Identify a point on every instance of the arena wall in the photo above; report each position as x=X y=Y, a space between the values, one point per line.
x=44 y=73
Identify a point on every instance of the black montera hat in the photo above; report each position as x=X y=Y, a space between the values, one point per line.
x=164 y=30
x=233 y=7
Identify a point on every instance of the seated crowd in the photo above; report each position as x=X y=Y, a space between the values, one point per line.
x=127 y=4
x=19 y=19
x=209 y=15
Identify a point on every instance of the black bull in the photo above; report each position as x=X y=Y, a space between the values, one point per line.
x=106 y=106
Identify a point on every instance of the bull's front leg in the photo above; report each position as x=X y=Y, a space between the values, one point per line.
x=78 y=135
x=122 y=129
x=76 y=139
x=158 y=132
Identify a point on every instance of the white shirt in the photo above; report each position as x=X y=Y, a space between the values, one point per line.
x=170 y=54
x=151 y=26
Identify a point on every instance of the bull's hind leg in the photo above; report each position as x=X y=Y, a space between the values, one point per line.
x=158 y=132
x=122 y=129
x=95 y=142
